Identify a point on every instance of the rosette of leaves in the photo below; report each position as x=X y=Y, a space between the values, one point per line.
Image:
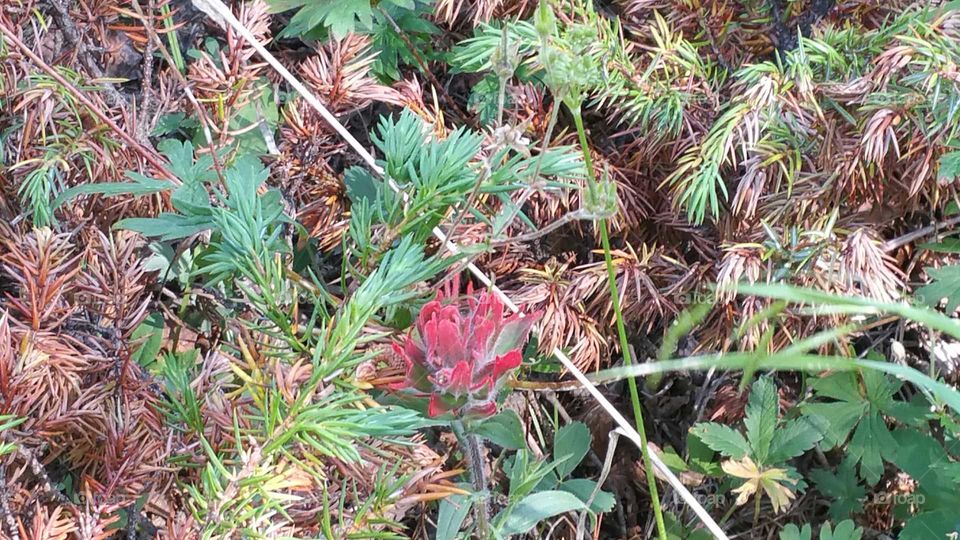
x=462 y=352
x=759 y=456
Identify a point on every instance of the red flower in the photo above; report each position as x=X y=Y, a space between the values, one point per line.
x=462 y=352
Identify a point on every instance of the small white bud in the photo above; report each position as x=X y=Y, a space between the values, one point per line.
x=897 y=352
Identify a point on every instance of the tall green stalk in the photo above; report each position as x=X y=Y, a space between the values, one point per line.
x=621 y=330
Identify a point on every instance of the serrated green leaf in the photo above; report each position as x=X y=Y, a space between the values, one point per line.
x=341 y=17
x=834 y=420
x=485 y=99
x=927 y=462
x=724 y=439
x=880 y=389
x=673 y=460
x=841 y=386
x=843 y=487
x=763 y=408
x=792 y=439
x=182 y=162
x=871 y=444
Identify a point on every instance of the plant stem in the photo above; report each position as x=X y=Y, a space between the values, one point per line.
x=543 y=231
x=728 y=513
x=529 y=190
x=622 y=332
x=501 y=99
x=471 y=446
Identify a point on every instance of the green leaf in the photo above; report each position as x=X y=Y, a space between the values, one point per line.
x=485 y=99
x=928 y=525
x=166 y=226
x=870 y=445
x=583 y=489
x=453 y=510
x=701 y=456
x=392 y=46
x=843 y=487
x=341 y=17
x=920 y=453
x=570 y=444
x=842 y=386
x=834 y=420
x=880 y=389
x=535 y=508
x=915 y=412
x=763 y=408
x=949 y=167
x=846 y=530
x=151 y=331
x=837 y=419
x=945 y=284
x=673 y=460
x=791 y=532
x=361 y=184
x=724 y=439
x=140 y=186
x=503 y=429
x=946 y=245
x=183 y=165
x=676 y=530
x=792 y=439
x=927 y=462
x=172 y=122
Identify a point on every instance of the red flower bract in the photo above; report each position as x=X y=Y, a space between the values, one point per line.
x=462 y=351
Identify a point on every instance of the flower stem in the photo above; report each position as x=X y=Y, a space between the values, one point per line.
x=471 y=447
x=531 y=189
x=622 y=332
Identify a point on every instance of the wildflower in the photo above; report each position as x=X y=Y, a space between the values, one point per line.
x=462 y=352
x=774 y=482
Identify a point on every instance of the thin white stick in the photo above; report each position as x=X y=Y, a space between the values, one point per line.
x=625 y=427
